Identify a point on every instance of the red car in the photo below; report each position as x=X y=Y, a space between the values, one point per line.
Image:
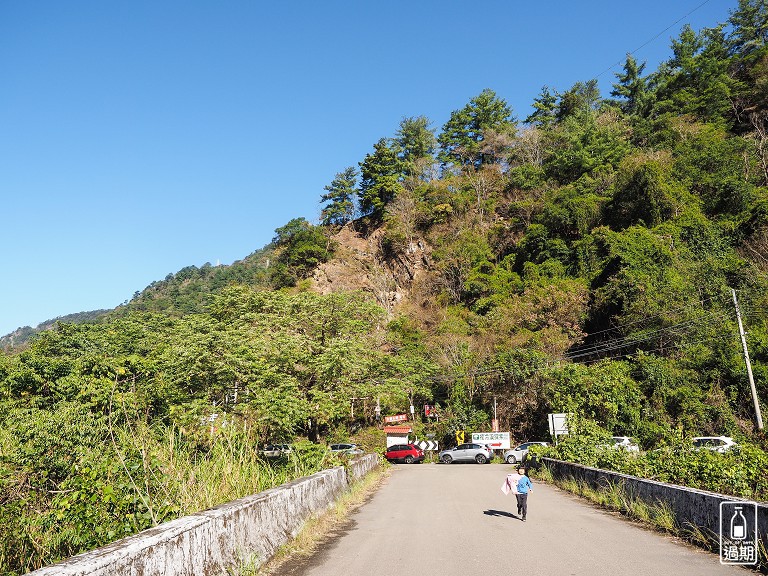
x=408 y=453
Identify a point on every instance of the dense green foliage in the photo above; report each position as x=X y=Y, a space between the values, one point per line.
x=740 y=472
x=580 y=262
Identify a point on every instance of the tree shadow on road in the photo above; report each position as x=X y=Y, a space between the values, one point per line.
x=500 y=513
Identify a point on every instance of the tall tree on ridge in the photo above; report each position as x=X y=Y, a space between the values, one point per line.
x=750 y=27
x=632 y=87
x=462 y=135
x=544 y=109
x=415 y=139
x=582 y=97
x=380 y=179
x=341 y=194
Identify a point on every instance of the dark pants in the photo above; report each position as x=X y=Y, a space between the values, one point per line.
x=522 y=504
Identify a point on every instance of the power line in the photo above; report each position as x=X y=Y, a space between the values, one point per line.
x=654 y=38
x=671 y=346
x=644 y=336
x=722 y=297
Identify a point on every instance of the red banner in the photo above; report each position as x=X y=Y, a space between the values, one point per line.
x=397 y=418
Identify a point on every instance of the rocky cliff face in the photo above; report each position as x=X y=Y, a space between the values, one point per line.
x=361 y=264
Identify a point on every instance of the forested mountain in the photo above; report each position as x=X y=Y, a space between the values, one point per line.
x=579 y=260
x=22 y=335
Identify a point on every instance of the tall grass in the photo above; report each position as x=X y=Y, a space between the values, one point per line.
x=188 y=477
x=138 y=476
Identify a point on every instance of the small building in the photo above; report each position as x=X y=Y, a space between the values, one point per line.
x=397 y=434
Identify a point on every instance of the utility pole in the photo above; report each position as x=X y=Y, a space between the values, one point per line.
x=755 y=399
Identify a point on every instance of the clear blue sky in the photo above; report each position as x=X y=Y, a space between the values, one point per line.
x=138 y=137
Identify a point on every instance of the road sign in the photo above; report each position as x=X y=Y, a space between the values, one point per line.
x=558 y=424
x=459 y=436
x=427 y=445
x=496 y=440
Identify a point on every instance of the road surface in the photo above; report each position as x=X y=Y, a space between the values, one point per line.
x=446 y=520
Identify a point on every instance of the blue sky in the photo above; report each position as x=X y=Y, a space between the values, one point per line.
x=140 y=137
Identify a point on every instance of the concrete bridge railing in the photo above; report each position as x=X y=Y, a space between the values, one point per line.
x=245 y=531
x=690 y=507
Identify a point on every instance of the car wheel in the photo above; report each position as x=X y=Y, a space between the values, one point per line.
x=511 y=459
x=409 y=459
x=447 y=459
x=480 y=459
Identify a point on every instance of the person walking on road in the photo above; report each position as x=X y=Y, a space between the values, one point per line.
x=524 y=486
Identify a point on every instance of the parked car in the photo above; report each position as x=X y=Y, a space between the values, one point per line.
x=719 y=444
x=466 y=453
x=276 y=450
x=408 y=453
x=515 y=455
x=346 y=448
x=624 y=443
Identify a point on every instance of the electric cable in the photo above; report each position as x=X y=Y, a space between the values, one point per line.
x=641 y=337
x=612 y=66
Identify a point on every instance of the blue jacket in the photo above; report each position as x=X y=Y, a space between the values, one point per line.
x=524 y=485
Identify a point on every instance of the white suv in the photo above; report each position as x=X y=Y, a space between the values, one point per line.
x=625 y=443
x=719 y=444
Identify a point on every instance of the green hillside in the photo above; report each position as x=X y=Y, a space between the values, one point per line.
x=578 y=260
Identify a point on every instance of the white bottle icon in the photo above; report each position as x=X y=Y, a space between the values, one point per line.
x=738 y=525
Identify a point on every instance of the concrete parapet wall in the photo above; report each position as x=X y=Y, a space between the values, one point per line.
x=690 y=507
x=245 y=531
x=359 y=467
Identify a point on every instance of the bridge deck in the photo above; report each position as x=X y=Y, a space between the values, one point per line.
x=447 y=520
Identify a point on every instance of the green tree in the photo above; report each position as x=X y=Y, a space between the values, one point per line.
x=632 y=87
x=381 y=176
x=302 y=247
x=582 y=97
x=415 y=141
x=341 y=199
x=545 y=107
x=696 y=79
x=463 y=133
x=645 y=193
x=750 y=28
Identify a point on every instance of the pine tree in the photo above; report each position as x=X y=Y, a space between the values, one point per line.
x=632 y=87
x=582 y=97
x=341 y=194
x=462 y=134
x=415 y=139
x=750 y=27
x=544 y=109
x=381 y=173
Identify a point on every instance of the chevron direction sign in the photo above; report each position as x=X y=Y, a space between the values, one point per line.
x=428 y=445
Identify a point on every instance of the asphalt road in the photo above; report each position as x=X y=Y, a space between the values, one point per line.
x=445 y=520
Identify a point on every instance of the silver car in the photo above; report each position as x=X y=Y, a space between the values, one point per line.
x=515 y=455
x=466 y=453
x=351 y=449
x=276 y=450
